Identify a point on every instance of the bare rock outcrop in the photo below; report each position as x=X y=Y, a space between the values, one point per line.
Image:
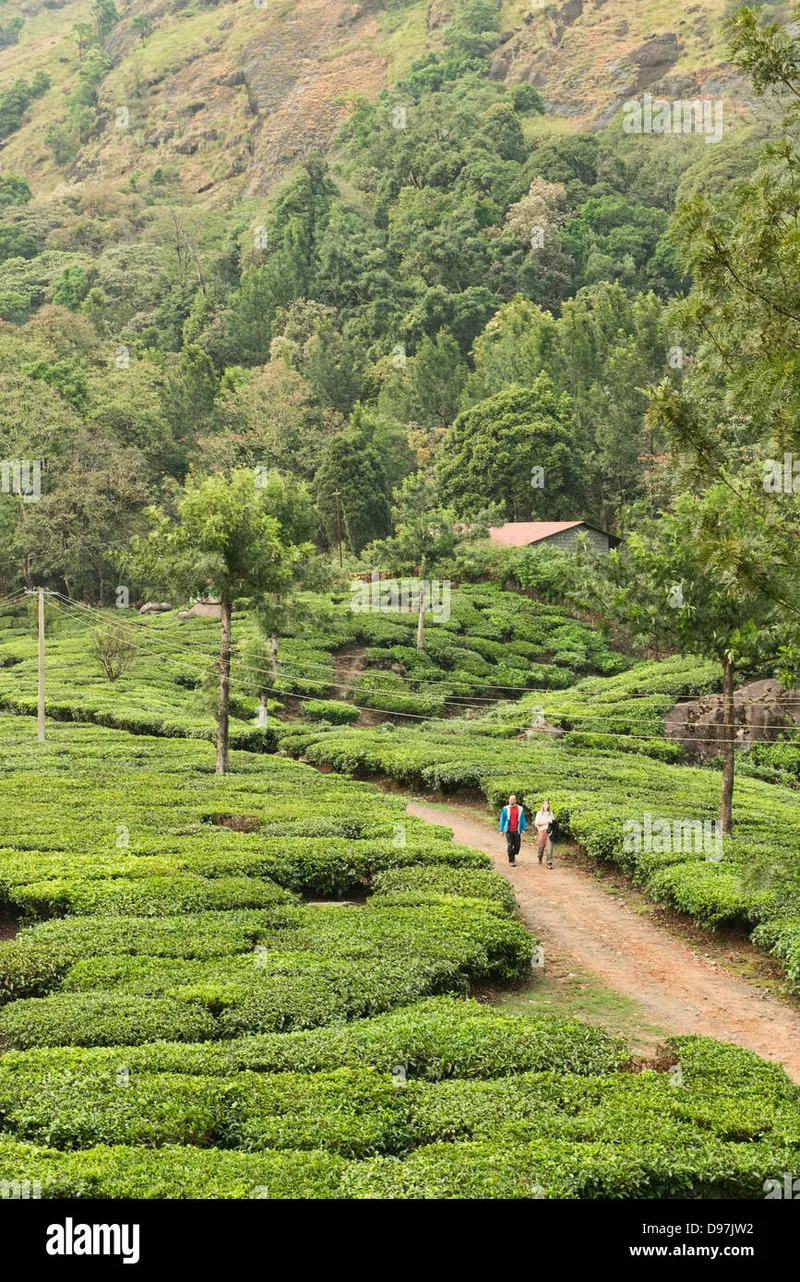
x=762 y=711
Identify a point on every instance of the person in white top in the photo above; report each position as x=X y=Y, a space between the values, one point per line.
x=544 y=843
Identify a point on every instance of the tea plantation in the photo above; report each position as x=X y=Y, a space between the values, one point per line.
x=596 y=785
x=258 y=985
x=493 y=645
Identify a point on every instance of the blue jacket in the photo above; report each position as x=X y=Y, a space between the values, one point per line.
x=522 y=825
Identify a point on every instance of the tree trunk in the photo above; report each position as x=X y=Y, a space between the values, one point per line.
x=726 y=809
x=223 y=712
x=273 y=658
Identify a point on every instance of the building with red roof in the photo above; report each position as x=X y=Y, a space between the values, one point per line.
x=560 y=534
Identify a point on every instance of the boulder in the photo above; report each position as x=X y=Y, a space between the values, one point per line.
x=154 y=607
x=763 y=710
x=203 y=610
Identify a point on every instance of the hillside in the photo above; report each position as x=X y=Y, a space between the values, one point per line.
x=389 y=437
x=233 y=95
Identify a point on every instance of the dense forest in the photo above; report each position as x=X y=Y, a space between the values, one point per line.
x=455 y=316
x=446 y=302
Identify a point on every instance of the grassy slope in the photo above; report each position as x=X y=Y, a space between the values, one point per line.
x=247 y=134
x=170 y=83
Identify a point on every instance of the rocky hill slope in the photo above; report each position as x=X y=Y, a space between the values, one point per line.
x=232 y=95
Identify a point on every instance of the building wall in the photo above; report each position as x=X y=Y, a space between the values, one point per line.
x=566 y=539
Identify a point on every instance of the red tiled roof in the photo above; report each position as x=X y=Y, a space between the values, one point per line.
x=518 y=534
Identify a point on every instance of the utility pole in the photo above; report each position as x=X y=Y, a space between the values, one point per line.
x=41 y=665
x=338 y=526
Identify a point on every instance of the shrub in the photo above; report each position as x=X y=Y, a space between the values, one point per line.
x=100 y=1019
x=114 y=651
x=477 y=883
x=338 y=714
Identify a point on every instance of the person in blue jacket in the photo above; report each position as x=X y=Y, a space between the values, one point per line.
x=512 y=823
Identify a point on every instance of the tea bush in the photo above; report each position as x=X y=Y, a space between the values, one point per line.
x=595 y=794
x=474 y=651
x=338 y=714
x=179 y=1022
x=357 y=1131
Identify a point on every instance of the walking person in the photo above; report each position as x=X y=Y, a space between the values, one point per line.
x=512 y=823
x=545 y=825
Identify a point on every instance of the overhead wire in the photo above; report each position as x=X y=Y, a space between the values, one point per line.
x=80 y=606
x=468 y=701
x=301 y=668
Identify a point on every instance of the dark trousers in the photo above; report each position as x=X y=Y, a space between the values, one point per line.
x=512 y=845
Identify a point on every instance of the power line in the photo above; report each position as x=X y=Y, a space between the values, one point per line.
x=291 y=694
x=466 y=701
x=390 y=712
x=302 y=669
x=452 y=700
x=15 y=597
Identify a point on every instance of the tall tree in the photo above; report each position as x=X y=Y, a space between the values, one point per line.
x=352 y=490
x=425 y=536
x=289 y=502
x=713 y=578
x=221 y=535
x=515 y=448
x=91 y=506
x=427 y=388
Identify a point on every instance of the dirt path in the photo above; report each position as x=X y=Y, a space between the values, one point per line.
x=570 y=913
x=349 y=663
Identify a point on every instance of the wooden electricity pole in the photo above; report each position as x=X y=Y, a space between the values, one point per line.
x=41 y=665
x=338 y=526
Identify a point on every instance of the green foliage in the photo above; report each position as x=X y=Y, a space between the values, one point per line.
x=15 y=101
x=492 y=450
x=65 y=376
x=352 y=465
x=526 y=100
x=549 y=1133
x=105 y=17
x=338 y=714
x=225 y=538
x=99 y=1019
x=16 y=243
x=14 y=306
x=13 y=191
x=71 y=287
x=10 y=32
